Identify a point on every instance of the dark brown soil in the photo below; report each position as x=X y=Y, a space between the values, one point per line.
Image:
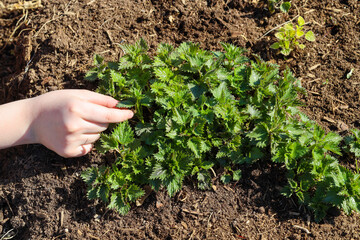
x=42 y=195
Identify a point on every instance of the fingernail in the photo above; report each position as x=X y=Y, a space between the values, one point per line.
x=131 y=114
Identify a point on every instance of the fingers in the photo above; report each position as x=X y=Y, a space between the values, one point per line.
x=82 y=150
x=99 y=99
x=89 y=138
x=97 y=113
x=81 y=126
x=81 y=146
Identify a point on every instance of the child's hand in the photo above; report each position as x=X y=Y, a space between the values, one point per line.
x=69 y=121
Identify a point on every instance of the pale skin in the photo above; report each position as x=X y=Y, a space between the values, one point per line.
x=65 y=121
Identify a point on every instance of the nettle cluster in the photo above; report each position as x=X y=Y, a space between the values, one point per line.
x=197 y=110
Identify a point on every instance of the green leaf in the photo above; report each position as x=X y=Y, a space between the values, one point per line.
x=301 y=46
x=98 y=59
x=194 y=146
x=260 y=135
x=173 y=185
x=91 y=75
x=285 y=51
x=280 y=35
x=134 y=192
x=207 y=165
x=254 y=78
x=117 y=203
x=333 y=197
x=128 y=103
x=221 y=93
x=286 y=191
x=92 y=193
x=123 y=133
x=204 y=180
x=117 y=78
x=310 y=36
x=89 y=175
x=275 y=45
x=103 y=192
x=285 y=6
x=297 y=150
x=196 y=90
x=237 y=175
x=108 y=142
x=301 y=21
x=158 y=173
x=299 y=33
x=252 y=111
x=226 y=178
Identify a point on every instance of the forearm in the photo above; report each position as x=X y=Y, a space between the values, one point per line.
x=15 y=123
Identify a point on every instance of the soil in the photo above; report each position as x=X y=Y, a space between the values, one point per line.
x=51 y=47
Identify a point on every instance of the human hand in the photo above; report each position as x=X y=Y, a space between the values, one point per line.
x=69 y=121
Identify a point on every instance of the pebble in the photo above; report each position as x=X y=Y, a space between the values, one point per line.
x=261 y=209
x=159 y=204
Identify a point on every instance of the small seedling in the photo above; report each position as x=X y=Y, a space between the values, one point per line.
x=289 y=37
x=348 y=76
x=279 y=4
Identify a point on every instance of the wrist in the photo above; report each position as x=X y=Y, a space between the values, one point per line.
x=29 y=119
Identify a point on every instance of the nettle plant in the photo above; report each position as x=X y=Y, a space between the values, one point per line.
x=197 y=110
x=284 y=6
x=289 y=36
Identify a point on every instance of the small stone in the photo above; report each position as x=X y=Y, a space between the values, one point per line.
x=184 y=225
x=97 y=217
x=342 y=126
x=261 y=209
x=297 y=236
x=159 y=204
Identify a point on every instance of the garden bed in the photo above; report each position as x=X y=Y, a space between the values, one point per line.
x=42 y=195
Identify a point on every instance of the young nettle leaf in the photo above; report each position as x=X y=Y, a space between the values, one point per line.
x=117 y=203
x=260 y=135
x=89 y=175
x=226 y=178
x=108 y=142
x=237 y=175
x=134 y=192
x=92 y=193
x=103 y=192
x=98 y=60
x=194 y=145
x=158 y=172
x=117 y=78
x=91 y=75
x=123 y=133
x=254 y=78
x=353 y=142
x=204 y=180
x=128 y=103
